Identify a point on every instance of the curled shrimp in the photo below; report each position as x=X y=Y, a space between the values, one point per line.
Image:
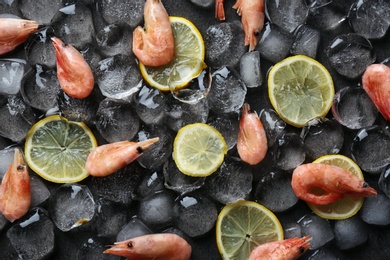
x=376 y=82
x=152 y=247
x=219 y=10
x=109 y=158
x=288 y=249
x=321 y=184
x=252 y=12
x=74 y=74
x=14 y=32
x=252 y=140
x=154 y=46
x=15 y=191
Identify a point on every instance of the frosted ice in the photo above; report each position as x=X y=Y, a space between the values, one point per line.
x=195 y=214
x=376 y=210
x=71 y=206
x=224 y=44
x=350 y=54
x=231 y=182
x=43 y=11
x=156 y=210
x=118 y=77
x=287 y=14
x=250 y=71
x=134 y=228
x=19 y=117
x=276 y=182
x=227 y=92
x=156 y=155
x=307 y=40
x=11 y=75
x=175 y=180
x=130 y=12
x=274 y=43
x=350 y=232
x=41 y=88
x=149 y=105
x=370 y=18
x=353 y=108
x=318 y=228
x=289 y=151
x=116 y=121
x=322 y=136
x=370 y=148
x=33 y=235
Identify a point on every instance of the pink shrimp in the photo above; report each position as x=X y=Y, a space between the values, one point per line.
x=252 y=140
x=15 y=194
x=74 y=74
x=323 y=184
x=109 y=158
x=14 y=32
x=252 y=12
x=152 y=247
x=288 y=249
x=219 y=10
x=376 y=82
x=154 y=46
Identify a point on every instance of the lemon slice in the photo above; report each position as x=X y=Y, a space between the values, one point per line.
x=187 y=63
x=198 y=150
x=57 y=149
x=300 y=89
x=243 y=225
x=347 y=206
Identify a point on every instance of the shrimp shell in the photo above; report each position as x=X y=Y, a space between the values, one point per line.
x=321 y=184
x=154 y=46
x=14 y=32
x=15 y=191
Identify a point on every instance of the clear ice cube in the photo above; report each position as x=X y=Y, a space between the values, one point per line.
x=195 y=214
x=116 y=121
x=318 y=228
x=33 y=235
x=71 y=206
x=228 y=91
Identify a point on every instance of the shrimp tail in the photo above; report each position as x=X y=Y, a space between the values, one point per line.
x=15 y=191
x=219 y=10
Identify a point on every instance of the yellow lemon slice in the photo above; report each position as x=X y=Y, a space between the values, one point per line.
x=57 y=149
x=243 y=225
x=187 y=63
x=300 y=89
x=347 y=206
x=198 y=149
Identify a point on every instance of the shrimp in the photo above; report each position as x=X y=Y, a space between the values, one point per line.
x=74 y=74
x=376 y=82
x=15 y=191
x=288 y=249
x=152 y=247
x=252 y=140
x=252 y=12
x=14 y=32
x=321 y=184
x=154 y=46
x=219 y=10
x=109 y=158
